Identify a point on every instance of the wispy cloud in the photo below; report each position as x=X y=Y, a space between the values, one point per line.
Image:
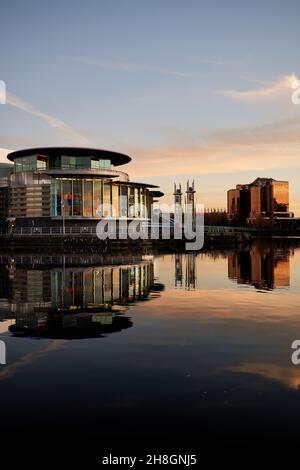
x=269 y=90
x=50 y=120
x=200 y=60
x=129 y=66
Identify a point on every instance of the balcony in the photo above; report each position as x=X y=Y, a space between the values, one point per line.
x=93 y=172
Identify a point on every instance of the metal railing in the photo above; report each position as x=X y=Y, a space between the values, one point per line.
x=67 y=230
x=86 y=171
x=48 y=231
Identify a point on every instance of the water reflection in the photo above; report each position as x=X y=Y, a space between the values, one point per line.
x=185 y=271
x=208 y=354
x=264 y=266
x=60 y=298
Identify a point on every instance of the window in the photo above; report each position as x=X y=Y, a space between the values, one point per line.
x=131 y=201
x=115 y=200
x=123 y=201
x=88 y=198
x=67 y=197
x=77 y=197
x=41 y=162
x=56 y=197
x=26 y=164
x=99 y=164
x=106 y=199
x=97 y=198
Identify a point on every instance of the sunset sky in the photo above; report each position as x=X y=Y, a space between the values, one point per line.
x=189 y=89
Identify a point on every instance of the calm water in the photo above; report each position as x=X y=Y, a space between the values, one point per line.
x=186 y=350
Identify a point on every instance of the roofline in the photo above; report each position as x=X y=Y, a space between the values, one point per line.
x=134 y=183
x=115 y=157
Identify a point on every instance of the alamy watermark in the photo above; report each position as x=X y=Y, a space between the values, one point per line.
x=2 y=352
x=167 y=223
x=2 y=92
x=295 y=358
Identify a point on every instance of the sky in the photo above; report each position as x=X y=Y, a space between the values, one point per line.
x=189 y=89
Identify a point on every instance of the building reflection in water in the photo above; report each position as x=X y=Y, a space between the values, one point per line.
x=70 y=300
x=264 y=266
x=187 y=261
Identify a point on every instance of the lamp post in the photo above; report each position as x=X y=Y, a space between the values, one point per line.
x=63 y=217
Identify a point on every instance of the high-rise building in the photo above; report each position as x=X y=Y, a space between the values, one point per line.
x=264 y=198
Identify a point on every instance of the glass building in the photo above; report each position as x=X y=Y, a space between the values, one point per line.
x=264 y=198
x=45 y=185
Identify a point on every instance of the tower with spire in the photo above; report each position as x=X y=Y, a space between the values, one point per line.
x=190 y=196
x=177 y=194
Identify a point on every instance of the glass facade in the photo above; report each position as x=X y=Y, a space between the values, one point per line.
x=264 y=198
x=62 y=162
x=31 y=163
x=43 y=184
x=280 y=196
x=106 y=199
x=97 y=198
x=123 y=201
x=255 y=201
x=77 y=197
x=88 y=198
x=115 y=201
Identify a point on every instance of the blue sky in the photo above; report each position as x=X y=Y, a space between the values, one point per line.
x=187 y=88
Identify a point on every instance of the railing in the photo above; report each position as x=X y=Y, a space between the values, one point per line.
x=87 y=171
x=48 y=231
x=226 y=229
x=37 y=231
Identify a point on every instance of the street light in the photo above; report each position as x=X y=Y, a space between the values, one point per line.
x=63 y=216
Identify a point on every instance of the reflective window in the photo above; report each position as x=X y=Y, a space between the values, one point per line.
x=77 y=197
x=131 y=202
x=41 y=162
x=123 y=201
x=280 y=196
x=115 y=200
x=106 y=199
x=137 y=201
x=97 y=198
x=25 y=164
x=67 y=197
x=88 y=198
x=56 y=197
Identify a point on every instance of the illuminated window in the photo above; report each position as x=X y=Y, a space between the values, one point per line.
x=88 y=198
x=97 y=198
x=106 y=199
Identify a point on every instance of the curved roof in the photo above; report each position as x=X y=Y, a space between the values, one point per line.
x=157 y=193
x=115 y=157
x=134 y=183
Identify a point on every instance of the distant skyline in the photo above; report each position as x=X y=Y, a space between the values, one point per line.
x=189 y=89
